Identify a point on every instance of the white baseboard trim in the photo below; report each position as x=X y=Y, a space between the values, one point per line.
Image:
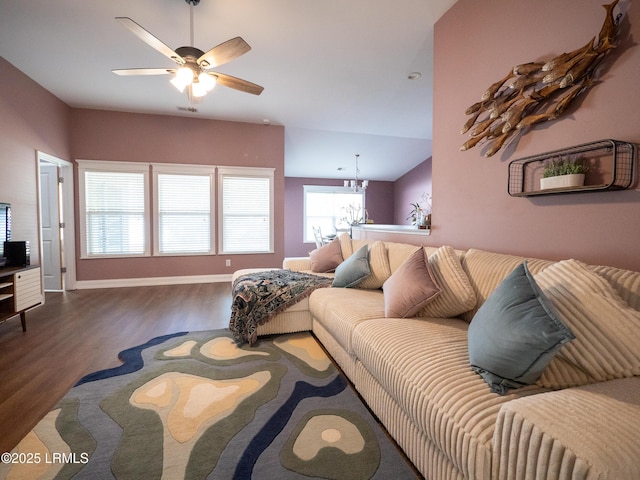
x=151 y=281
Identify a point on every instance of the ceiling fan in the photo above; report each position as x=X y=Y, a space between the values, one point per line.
x=193 y=72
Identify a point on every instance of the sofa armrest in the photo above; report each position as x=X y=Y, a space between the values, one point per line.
x=247 y=271
x=576 y=433
x=298 y=264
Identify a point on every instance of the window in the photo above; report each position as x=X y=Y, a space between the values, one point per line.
x=114 y=220
x=245 y=209
x=183 y=205
x=333 y=209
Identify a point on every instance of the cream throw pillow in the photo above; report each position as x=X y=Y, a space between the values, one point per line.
x=379 y=263
x=607 y=330
x=346 y=247
x=458 y=295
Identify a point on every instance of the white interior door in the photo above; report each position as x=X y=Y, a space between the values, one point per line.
x=50 y=228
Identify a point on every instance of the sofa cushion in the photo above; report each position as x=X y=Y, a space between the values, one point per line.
x=345 y=245
x=410 y=288
x=486 y=270
x=591 y=431
x=353 y=270
x=398 y=253
x=625 y=282
x=340 y=310
x=515 y=333
x=424 y=366
x=379 y=263
x=607 y=329
x=458 y=296
x=326 y=258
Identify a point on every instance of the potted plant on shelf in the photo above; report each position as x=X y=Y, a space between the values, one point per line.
x=421 y=216
x=563 y=172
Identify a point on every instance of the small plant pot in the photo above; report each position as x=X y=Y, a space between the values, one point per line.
x=562 y=181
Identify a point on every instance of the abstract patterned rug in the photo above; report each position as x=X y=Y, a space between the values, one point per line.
x=195 y=405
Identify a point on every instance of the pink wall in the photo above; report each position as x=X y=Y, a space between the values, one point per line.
x=102 y=135
x=471 y=205
x=31 y=119
x=379 y=202
x=409 y=189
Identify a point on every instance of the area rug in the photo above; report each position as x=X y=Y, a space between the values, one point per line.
x=196 y=405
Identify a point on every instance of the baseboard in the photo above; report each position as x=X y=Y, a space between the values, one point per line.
x=151 y=281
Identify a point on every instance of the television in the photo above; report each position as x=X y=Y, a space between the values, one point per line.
x=5 y=228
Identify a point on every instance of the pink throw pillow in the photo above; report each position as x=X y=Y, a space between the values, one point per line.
x=410 y=288
x=326 y=258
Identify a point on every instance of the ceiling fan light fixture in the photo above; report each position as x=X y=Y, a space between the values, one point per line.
x=207 y=81
x=192 y=62
x=182 y=78
x=198 y=89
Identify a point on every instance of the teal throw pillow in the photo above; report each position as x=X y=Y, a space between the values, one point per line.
x=353 y=270
x=515 y=333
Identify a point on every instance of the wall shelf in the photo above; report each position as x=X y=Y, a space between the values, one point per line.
x=611 y=162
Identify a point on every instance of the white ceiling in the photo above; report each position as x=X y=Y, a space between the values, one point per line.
x=334 y=72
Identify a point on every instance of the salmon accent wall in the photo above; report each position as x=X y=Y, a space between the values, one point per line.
x=31 y=120
x=118 y=136
x=471 y=206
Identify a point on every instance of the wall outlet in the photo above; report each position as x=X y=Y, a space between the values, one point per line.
x=227 y=262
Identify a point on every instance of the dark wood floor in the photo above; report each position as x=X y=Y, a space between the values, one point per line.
x=79 y=332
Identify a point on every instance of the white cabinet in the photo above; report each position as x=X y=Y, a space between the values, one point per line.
x=20 y=289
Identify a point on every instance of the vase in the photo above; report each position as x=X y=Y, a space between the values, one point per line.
x=419 y=218
x=562 y=181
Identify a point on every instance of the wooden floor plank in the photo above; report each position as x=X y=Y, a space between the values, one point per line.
x=79 y=332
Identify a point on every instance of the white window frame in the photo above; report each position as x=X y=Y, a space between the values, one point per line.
x=182 y=169
x=261 y=172
x=112 y=166
x=326 y=189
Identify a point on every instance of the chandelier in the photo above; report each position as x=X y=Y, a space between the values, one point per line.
x=355 y=185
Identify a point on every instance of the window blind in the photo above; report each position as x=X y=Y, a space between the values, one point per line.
x=246 y=216
x=114 y=213
x=184 y=214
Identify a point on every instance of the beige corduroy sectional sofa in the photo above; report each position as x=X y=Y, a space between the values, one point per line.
x=578 y=417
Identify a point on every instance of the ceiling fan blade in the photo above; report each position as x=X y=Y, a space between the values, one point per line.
x=238 y=84
x=143 y=71
x=223 y=53
x=151 y=40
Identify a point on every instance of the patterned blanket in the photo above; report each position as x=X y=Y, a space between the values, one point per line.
x=258 y=297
